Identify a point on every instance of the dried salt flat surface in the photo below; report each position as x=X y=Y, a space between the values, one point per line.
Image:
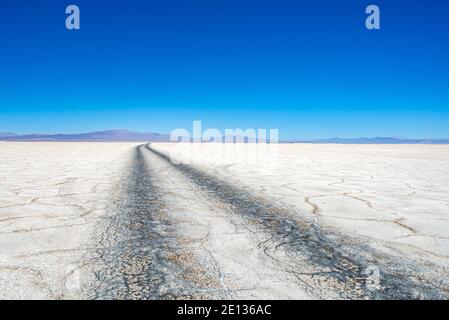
x=129 y=221
x=114 y=221
x=387 y=205
x=51 y=197
x=172 y=241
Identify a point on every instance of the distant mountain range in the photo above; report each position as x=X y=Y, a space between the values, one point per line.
x=132 y=136
x=109 y=135
x=374 y=140
x=6 y=134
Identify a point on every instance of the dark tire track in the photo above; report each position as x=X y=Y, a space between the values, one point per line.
x=137 y=246
x=332 y=264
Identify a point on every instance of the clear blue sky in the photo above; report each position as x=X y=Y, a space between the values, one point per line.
x=309 y=68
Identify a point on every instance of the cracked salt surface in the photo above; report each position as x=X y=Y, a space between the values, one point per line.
x=51 y=197
x=359 y=195
x=120 y=221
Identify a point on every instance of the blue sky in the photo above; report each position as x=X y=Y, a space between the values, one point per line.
x=309 y=68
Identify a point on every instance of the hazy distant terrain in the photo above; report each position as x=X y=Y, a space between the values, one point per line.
x=131 y=136
x=241 y=221
x=374 y=140
x=109 y=135
x=6 y=135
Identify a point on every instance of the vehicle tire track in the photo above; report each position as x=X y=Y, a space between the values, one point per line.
x=321 y=261
x=137 y=255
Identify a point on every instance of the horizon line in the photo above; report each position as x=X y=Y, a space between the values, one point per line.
x=12 y=135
